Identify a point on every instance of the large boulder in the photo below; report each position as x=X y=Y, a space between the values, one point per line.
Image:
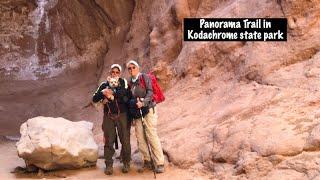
x=56 y=143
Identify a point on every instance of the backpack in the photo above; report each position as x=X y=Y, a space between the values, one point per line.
x=158 y=96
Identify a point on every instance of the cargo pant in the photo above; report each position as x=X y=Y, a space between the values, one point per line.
x=150 y=121
x=109 y=129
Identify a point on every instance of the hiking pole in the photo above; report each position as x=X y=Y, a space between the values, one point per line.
x=145 y=135
x=116 y=143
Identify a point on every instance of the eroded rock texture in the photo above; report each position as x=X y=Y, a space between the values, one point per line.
x=52 y=53
x=239 y=109
x=57 y=143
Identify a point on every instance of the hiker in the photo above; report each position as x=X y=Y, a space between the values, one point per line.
x=115 y=117
x=142 y=100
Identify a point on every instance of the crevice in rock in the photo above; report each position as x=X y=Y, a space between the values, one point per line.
x=254 y=76
x=175 y=20
x=294 y=154
x=105 y=16
x=167 y=154
x=197 y=8
x=279 y=2
x=294 y=169
x=78 y=48
x=29 y=135
x=303 y=55
x=51 y=152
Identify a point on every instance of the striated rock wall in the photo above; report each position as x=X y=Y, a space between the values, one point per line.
x=52 y=53
x=42 y=39
x=240 y=109
x=237 y=109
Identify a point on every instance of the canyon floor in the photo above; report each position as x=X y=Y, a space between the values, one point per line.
x=10 y=161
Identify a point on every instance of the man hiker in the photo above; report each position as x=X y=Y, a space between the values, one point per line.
x=115 y=117
x=142 y=98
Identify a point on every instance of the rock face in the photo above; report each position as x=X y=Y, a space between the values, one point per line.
x=44 y=41
x=57 y=143
x=240 y=109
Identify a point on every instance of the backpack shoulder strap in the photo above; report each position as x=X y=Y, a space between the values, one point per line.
x=123 y=83
x=142 y=80
x=129 y=83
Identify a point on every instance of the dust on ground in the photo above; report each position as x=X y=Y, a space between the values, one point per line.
x=10 y=160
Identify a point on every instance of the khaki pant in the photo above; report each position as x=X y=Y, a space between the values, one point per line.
x=150 y=121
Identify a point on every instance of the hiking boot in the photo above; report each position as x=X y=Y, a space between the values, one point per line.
x=147 y=165
x=159 y=169
x=108 y=170
x=125 y=167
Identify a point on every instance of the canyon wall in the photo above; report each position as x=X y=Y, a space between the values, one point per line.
x=238 y=109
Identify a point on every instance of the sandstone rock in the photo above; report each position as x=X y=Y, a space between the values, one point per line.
x=313 y=141
x=42 y=43
x=244 y=110
x=181 y=9
x=240 y=109
x=56 y=143
x=286 y=175
x=253 y=165
x=304 y=165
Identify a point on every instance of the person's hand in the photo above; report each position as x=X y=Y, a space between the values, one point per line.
x=133 y=123
x=139 y=103
x=107 y=92
x=105 y=101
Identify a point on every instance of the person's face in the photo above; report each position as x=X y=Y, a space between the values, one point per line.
x=115 y=72
x=133 y=70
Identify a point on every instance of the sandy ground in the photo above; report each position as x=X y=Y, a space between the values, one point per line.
x=9 y=160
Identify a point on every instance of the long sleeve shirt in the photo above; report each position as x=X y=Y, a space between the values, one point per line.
x=121 y=97
x=144 y=91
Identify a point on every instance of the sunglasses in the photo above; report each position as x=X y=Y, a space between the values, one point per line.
x=132 y=67
x=115 y=72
